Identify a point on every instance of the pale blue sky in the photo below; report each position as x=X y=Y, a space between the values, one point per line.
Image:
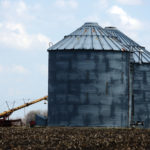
x=27 y=26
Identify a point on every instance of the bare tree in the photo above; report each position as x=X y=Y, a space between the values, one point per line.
x=31 y=116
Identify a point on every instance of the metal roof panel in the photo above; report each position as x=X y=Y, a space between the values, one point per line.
x=89 y=36
x=139 y=52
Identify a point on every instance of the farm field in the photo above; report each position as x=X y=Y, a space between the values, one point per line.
x=71 y=138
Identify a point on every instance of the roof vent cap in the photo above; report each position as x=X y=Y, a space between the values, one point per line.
x=111 y=28
x=89 y=24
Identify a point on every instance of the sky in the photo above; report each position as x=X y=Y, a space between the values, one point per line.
x=27 y=27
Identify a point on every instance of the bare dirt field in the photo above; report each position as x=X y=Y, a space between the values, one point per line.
x=70 y=138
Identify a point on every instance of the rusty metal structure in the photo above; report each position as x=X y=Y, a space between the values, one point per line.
x=98 y=77
x=5 y=121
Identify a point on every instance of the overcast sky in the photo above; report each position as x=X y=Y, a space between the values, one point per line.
x=27 y=26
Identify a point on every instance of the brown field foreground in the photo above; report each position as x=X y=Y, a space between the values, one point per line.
x=74 y=138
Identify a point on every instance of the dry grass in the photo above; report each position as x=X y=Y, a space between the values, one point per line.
x=74 y=138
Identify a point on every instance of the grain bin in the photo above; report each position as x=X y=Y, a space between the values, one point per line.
x=135 y=48
x=140 y=78
x=88 y=80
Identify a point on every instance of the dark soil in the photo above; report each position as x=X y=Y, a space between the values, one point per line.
x=51 y=138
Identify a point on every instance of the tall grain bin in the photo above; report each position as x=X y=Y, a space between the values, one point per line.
x=89 y=80
x=140 y=78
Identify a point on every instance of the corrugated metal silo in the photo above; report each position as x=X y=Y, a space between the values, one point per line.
x=140 y=80
x=89 y=80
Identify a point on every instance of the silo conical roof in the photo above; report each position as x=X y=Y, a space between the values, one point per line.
x=90 y=36
x=139 y=52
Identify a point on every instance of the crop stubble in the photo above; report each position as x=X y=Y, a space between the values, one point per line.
x=62 y=138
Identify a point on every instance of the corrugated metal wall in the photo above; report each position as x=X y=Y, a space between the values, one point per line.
x=40 y=120
x=88 y=88
x=141 y=92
